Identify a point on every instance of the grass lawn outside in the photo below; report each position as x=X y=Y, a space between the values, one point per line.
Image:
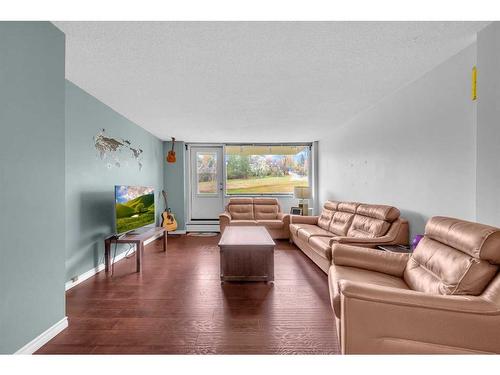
x=264 y=185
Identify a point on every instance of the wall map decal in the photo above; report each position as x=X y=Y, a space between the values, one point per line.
x=116 y=150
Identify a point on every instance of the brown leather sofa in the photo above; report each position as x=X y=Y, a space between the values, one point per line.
x=359 y=224
x=443 y=298
x=256 y=211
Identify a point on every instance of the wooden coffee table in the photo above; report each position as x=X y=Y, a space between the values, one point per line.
x=246 y=254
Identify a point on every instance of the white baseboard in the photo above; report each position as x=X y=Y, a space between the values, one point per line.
x=179 y=231
x=87 y=275
x=44 y=337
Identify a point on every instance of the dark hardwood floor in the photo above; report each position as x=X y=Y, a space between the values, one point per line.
x=177 y=305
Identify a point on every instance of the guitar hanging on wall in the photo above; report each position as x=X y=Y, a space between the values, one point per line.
x=167 y=218
x=171 y=153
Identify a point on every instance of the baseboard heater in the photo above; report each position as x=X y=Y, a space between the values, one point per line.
x=202 y=227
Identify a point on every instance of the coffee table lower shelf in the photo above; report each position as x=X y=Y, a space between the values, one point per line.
x=247 y=263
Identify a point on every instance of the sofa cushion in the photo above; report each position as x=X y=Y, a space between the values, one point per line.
x=437 y=268
x=265 y=211
x=337 y=273
x=322 y=246
x=294 y=228
x=241 y=211
x=340 y=223
x=378 y=211
x=367 y=227
x=325 y=218
x=308 y=230
x=273 y=224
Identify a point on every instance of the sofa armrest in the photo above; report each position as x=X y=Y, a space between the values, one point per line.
x=406 y=297
x=224 y=220
x=378 y=319
x=370 y=259
x=285 y=218
x=298 y=219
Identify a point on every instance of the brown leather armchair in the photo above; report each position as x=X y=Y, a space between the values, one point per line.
x=443 y=298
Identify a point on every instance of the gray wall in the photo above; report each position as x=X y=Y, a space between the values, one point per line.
x=414 y=150
x=31 y=181
x=174 y=176
x=90 y=183
x=488 y=125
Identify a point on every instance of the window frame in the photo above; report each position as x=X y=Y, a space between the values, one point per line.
x=273 y=195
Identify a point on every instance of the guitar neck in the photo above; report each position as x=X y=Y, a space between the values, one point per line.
x=165 y=199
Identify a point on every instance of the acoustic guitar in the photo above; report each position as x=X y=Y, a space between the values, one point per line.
x=167 y=218
x=171 y=153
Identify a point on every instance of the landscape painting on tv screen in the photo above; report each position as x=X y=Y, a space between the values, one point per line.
x=135 y=207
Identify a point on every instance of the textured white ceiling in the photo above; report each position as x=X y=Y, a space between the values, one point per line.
x=252 y=81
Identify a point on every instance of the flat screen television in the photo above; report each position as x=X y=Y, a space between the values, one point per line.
x=134 y=207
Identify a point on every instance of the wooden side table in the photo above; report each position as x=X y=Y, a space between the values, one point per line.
x=139 y=240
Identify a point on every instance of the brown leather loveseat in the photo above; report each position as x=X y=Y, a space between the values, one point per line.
x=443 y=298
x=256 y=211
x=360 y=224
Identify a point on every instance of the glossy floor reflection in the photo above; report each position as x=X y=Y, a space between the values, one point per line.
x=177 y=305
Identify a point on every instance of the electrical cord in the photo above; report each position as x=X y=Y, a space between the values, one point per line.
x=127 y=255
x=130 y=247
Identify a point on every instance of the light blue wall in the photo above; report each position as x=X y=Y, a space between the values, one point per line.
x=174 y=182
x=90 y=183
x=31 y=181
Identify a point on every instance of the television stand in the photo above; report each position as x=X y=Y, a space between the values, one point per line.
x=140 y=240
x=137 y=232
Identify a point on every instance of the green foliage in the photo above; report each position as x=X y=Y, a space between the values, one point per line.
x=238 y=166
x=260 y=166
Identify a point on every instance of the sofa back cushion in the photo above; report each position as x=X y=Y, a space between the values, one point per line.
x=340 y=223
x=266 y=208
x=349 y=207
x=478 y=240
x=367 y=227
x=372 y=220
x=326 y=214
x=442 y=264
x=378 y=211
x=240 y=208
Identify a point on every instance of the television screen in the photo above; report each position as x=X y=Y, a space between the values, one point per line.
x=134 y=207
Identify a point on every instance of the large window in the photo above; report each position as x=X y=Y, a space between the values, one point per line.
x=266 y=169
